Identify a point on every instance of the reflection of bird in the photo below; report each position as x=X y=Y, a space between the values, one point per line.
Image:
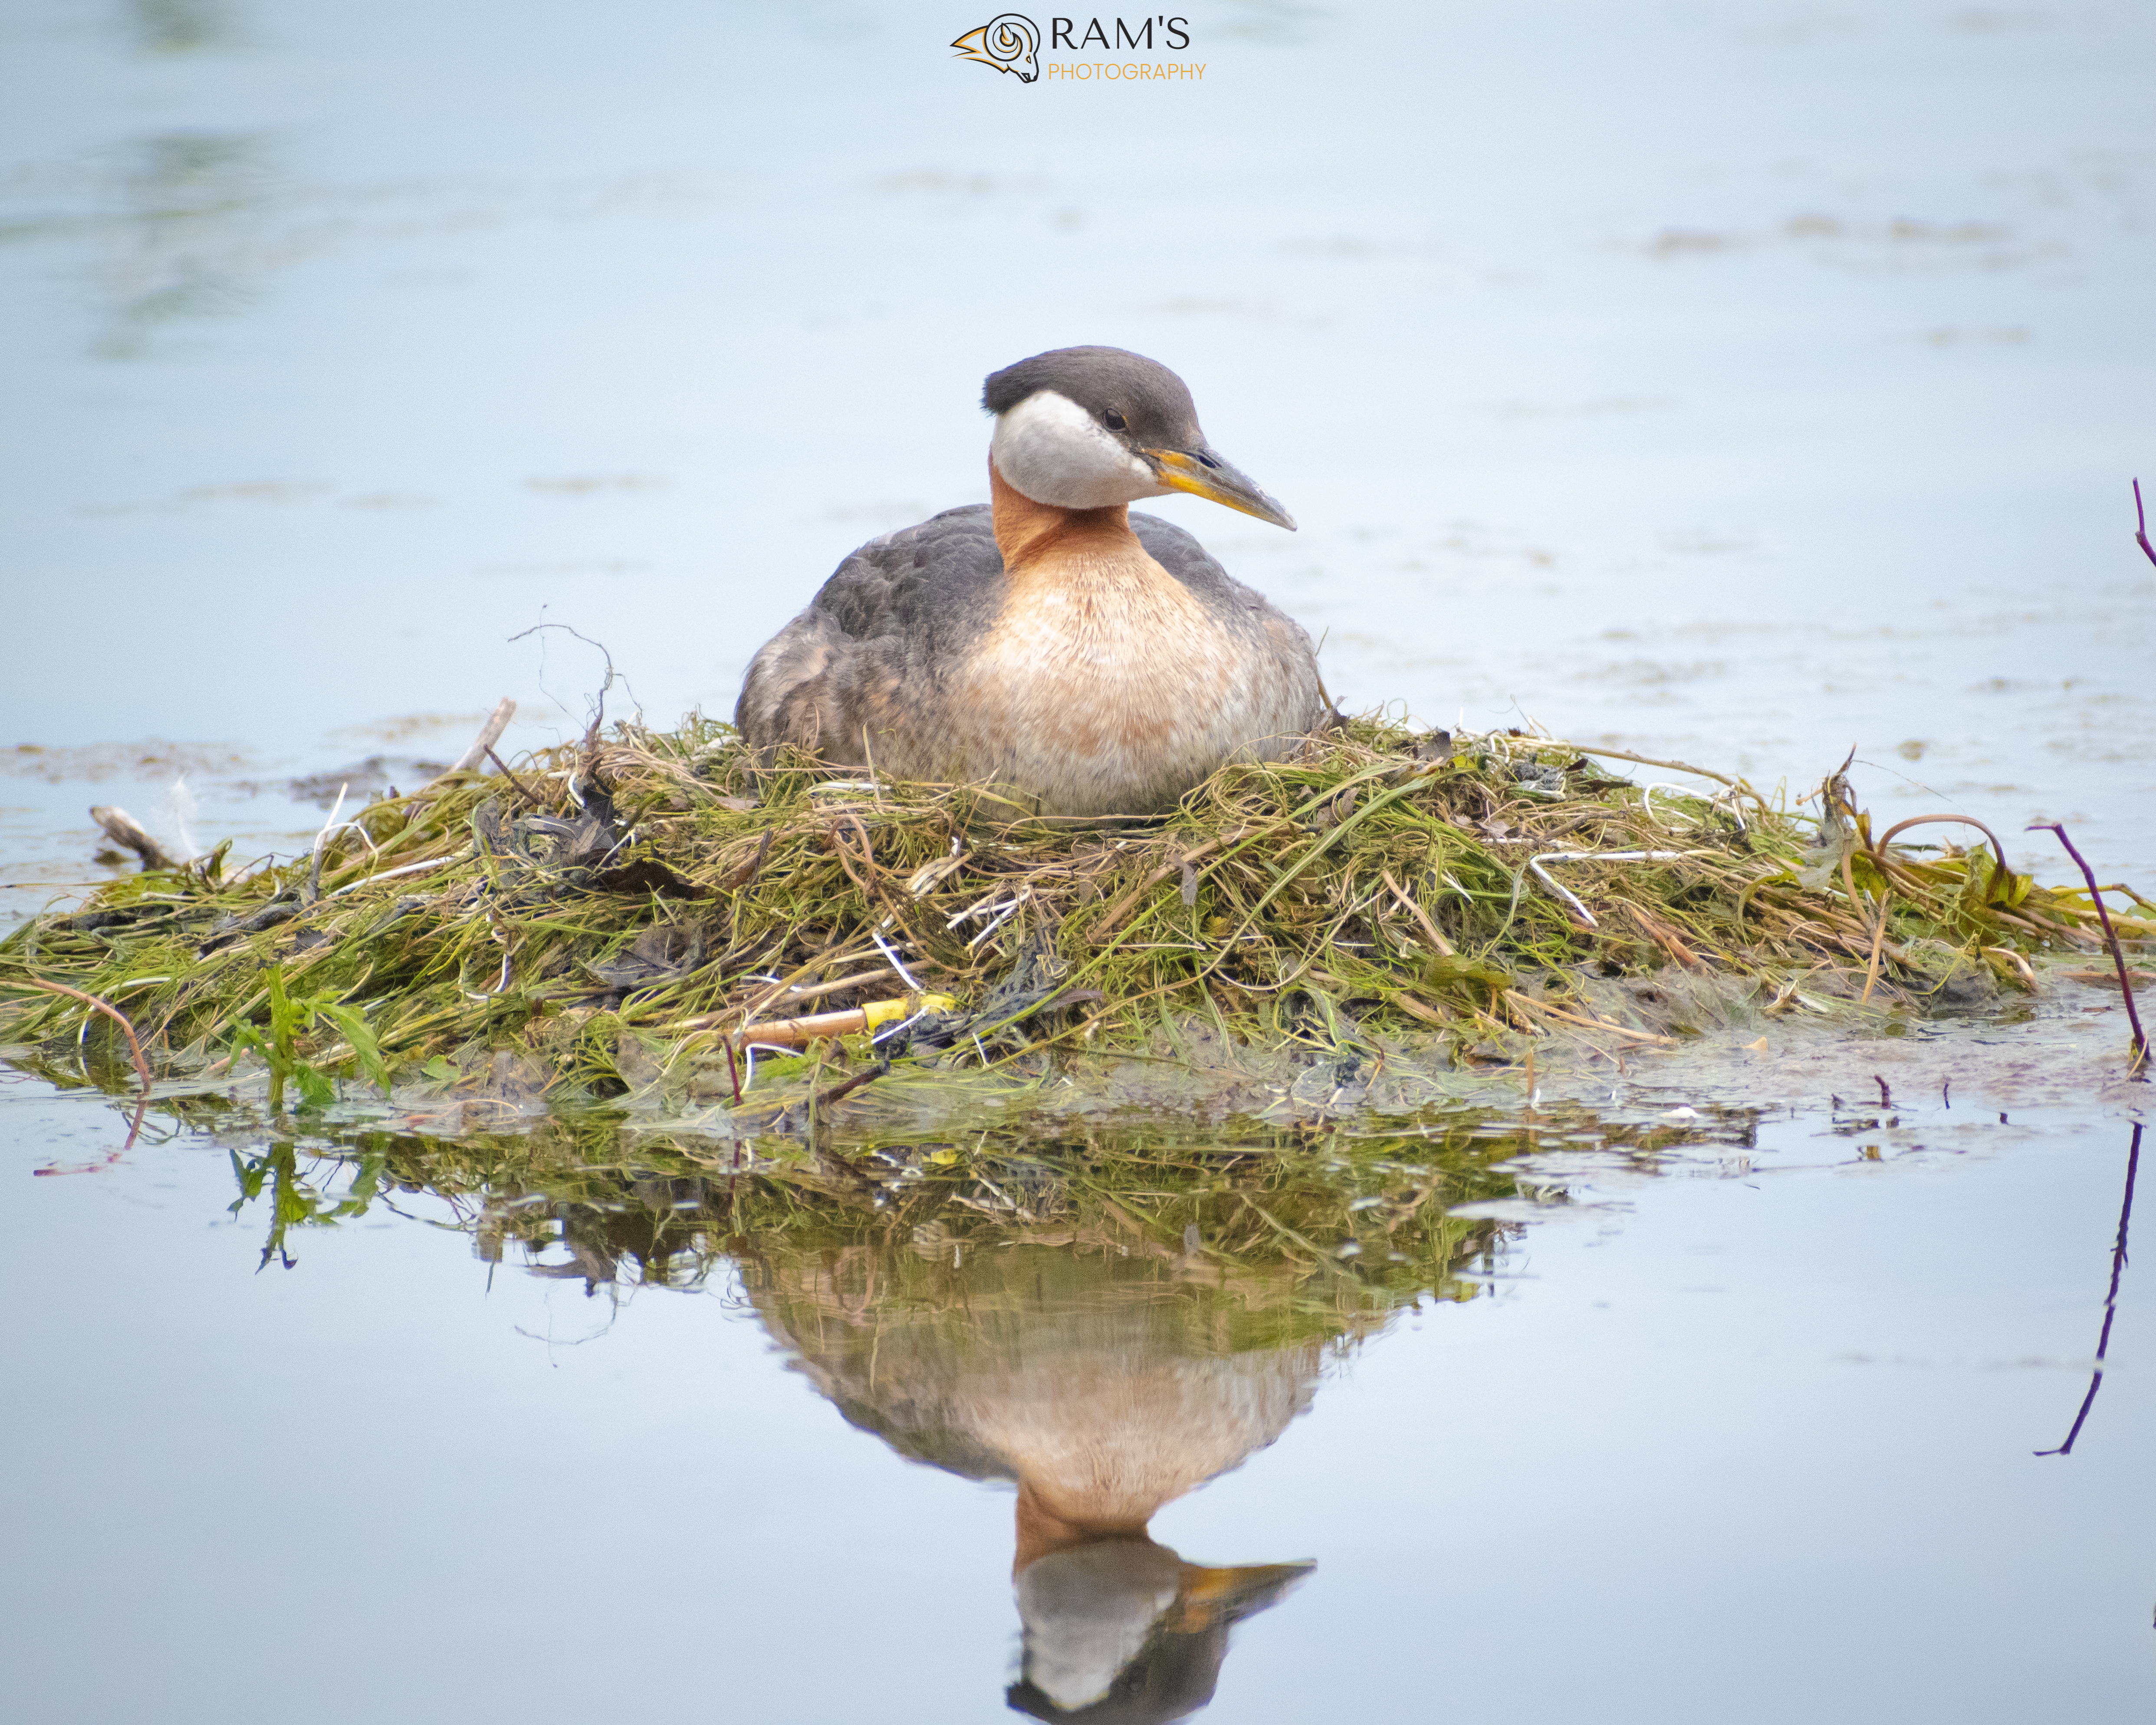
x=1086 y=661
x=1104 y=1390
x=1124 y=1632
x=1103 y=1418
x=1010 y=43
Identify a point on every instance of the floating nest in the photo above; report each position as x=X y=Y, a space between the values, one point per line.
x=644 y=910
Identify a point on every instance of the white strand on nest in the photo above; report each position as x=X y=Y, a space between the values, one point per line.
x=904 y=975
x=335 y=809
x=1008 y=912
x=1585 y=914
x=987 y=906
x=353 y=826
x=386 y=873
x=892 y=1029
x=1647 y=800
x=1726 y=801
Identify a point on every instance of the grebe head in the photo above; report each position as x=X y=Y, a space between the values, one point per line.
x=1085 y=428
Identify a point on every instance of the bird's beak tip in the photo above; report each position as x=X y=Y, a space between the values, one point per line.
x=1210 y=477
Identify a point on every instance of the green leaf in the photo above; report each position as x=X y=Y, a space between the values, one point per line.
x=249 y=1176
x=317 y=1090
x=367 y=1052
x=2007 y=889
x=283 y=1015
x=1990 y=887
x=1439 y=972
x=364 y=1185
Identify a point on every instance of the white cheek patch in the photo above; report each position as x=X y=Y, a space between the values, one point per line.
x=1050 y=448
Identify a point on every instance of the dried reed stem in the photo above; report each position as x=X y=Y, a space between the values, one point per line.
x=2140 y=1058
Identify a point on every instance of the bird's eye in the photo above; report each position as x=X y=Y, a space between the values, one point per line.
x=1114 y=420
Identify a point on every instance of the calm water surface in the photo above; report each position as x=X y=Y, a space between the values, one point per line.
x=1733 y=1421
x=1737 y=382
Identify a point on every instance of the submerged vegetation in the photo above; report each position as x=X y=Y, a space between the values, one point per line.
x=1267 y=1238
x=1301 y=1236
x=635 y=915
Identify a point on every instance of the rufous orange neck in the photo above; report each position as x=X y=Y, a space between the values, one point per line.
x=1042 y=1529
x=1028 y=532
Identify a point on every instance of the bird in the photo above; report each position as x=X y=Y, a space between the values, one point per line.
x=1104 y=1389
x=1083 y=661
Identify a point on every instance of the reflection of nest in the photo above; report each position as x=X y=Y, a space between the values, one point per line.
x=1075 y=1350
x=1257 y=1248
x=1272 y=1246
x=822 y=1242
x=1109 y=1323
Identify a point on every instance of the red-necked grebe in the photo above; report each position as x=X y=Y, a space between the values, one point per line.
x=1084 y=660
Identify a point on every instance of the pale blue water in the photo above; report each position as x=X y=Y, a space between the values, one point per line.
x=1748 y=1438
x=1737 y=382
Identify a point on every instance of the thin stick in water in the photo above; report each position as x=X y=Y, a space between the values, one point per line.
x=2110 y=1298
x=134 y=1048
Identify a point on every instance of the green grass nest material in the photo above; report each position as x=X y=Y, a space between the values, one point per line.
x=613 y=907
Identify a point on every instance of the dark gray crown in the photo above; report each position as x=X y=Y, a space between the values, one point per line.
x=1153 y=402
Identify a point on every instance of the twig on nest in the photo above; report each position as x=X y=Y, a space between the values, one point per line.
x=482 y=746
x=126 y=832
x=1879 y=849
x=1443 y=945
x=1734 y=784
x=523 y=788
x=490 y=734
x=840 y=1091
x=799 y=1033
x=750 y=870
x=2125 y=982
